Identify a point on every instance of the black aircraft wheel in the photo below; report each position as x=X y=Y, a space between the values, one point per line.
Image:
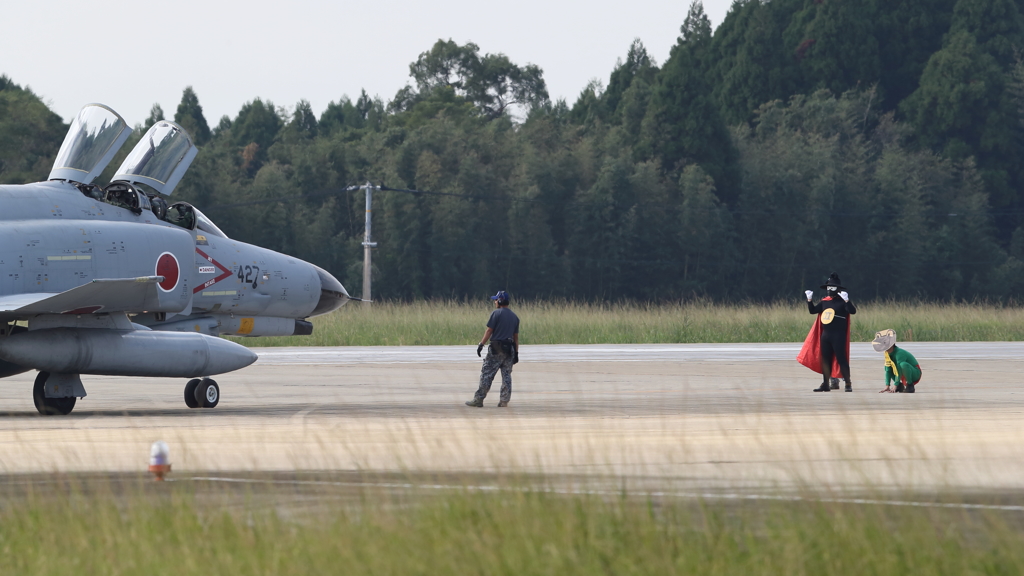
x=190 y=393
x=208 y=393
x=50 y=406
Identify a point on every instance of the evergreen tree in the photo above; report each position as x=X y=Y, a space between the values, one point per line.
x=704 y=234
x=752 y=65
x=682 y=124
x=254 y=130
x=190 y=117
x=603 y=228
x=909 y=32
x=303 y=120
x=156 y=114
x=588 y=108
x=995 y=25
x=30 y=135
x=339 y=115
x=835 y=45
x=638 y=64
x=963 y=108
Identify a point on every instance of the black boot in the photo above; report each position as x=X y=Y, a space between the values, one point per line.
x=834 y=382
x=824 y=387
x=849 y=386
x=910 y=388
x=900 y=387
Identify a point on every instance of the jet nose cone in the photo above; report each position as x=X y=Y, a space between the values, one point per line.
x=332 y=294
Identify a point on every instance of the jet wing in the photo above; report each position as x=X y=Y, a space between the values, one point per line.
x=105 y=295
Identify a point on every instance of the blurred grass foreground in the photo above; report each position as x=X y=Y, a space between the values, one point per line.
x=171 y=531
x=454 y=323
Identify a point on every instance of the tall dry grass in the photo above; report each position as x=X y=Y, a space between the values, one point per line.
x=453 y=323
x=176 y=532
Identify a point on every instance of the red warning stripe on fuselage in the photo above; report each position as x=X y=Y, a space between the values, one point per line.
x=227 y=273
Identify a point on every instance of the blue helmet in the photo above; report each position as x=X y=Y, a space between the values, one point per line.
x=501 y=297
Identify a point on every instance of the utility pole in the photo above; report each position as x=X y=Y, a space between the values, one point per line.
x=368 y=244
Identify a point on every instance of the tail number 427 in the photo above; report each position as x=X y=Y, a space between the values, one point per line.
x=248 y=275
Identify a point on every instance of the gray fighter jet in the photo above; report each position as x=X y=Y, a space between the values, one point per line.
x=114 y=281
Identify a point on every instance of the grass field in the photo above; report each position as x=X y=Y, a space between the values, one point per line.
x=169 y=529
x=455 y=323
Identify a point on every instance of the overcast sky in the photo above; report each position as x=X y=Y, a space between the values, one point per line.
x=130 y=55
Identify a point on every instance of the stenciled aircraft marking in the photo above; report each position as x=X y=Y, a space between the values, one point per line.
x=78 y=257
x=226 y=273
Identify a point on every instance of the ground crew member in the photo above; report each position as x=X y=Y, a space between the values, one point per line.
x=502 y=341
x=827 y=347
x=901 y=368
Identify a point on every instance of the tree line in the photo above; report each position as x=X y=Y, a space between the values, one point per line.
x=877 y=139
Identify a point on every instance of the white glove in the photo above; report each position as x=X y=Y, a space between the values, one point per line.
x=845 y=296
x=809 y=294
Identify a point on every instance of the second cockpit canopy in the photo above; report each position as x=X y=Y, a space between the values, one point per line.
x=159 y=160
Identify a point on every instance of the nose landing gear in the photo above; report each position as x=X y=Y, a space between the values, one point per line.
x=202 y=393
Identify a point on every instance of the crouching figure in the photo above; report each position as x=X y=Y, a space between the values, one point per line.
x=901 y=368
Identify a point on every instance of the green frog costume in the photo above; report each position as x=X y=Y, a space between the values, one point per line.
x=901 y=368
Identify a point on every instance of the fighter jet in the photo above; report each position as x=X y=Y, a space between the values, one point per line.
x=114 y=280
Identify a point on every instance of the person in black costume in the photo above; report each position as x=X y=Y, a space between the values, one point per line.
x=834 y=316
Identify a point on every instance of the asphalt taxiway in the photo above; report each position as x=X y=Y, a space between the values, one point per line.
x=682 y=417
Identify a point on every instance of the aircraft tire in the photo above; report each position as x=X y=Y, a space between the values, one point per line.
x=191 y=399
x=50 y=406
x=208 y=393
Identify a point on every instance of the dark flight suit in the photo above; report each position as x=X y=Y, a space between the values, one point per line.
x=835 y=331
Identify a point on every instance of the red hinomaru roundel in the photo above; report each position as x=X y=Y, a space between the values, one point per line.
x=167 y=266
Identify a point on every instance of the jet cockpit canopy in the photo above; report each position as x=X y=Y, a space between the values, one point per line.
x=190 y=218
x=96 y=134
x=160 y=159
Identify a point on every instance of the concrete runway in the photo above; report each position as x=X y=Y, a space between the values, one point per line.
x=720 y=417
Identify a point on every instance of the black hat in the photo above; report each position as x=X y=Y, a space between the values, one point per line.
x=833 y=280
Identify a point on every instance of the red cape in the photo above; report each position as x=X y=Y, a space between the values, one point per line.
x=810 y=353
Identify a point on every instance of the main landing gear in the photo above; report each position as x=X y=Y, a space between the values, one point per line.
x=51 y=406
x=202 y=393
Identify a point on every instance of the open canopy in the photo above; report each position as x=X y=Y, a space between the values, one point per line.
x=96 y=134
x=160 y=159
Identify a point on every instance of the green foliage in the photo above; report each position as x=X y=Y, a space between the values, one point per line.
x=909 y=32
x=750 y=63
x=190 y=117
x=344 y=115
x=996 y=26
x=880 y=139
x=910 y=220
x=836 y=45
x=705 y=230
x=682 y=124
x=491 y=82
x=30 y=135
x=333 y=527
x=963 y=107
x=156 y=114
x=254 y=130
x=303 y=123
x=638 y=67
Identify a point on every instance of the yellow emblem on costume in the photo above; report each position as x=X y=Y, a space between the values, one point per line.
x=827 y=316
x=890 y=364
